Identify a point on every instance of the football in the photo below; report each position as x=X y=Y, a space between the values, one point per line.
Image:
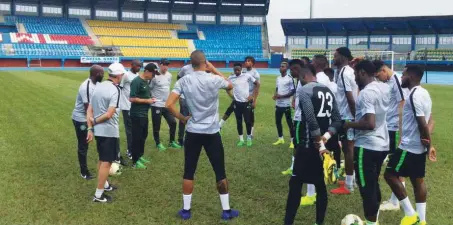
x=352 y=219
x=115 y=169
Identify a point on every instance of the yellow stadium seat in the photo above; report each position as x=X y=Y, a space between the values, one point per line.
x=135 y=25
x=155 y=52
x=122 y=32
x=143 y=42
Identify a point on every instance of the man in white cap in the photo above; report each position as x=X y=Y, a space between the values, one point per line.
x=102 y=120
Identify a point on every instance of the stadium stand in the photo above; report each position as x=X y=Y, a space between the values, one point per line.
x=231 y=41
x=135 y=25
x=49 y=25
x=45 y=50
x=143 y=42
x=130 y=32
x=50 y=39
x=155 y=52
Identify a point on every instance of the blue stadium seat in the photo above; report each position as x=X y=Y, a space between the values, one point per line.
x=232 y=42
x=49 y=25
x=48 y=50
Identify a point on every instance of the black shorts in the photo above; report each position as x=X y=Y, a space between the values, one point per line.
x=406 y=164
x=308 y=165
x=107 y=148
x=393 y=140
x=212 y=143
x=346 y=135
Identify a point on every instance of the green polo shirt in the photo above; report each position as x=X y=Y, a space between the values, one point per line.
x=139 y=89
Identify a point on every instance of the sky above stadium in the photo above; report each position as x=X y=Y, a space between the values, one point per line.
x=300 y=9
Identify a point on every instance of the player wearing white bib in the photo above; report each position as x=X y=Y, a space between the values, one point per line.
x=409 y=160
x=346 y=97
x=371 y=136
x=283 y=92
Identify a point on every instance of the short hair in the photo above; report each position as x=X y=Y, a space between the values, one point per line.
x=197 y=57
x=415 y=70
x=237 y=64
x=378 y=64
x=305 y=58
x=321 y=59
x=296 y=62
x=329 y=72
x=284 y=63
x=311 y=68
x=367 y=66
x=251 y=58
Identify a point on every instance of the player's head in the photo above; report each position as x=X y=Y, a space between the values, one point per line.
x=150 y=71
x=330 y=73
x=383 y=72
x=307 y=74
x=319 y=62
x=198 y=60
x=305 y=59
x=412 y=74
x=237 y=69
x=136 y=65
x=97 y=73
x=342 y=56
x=364 y=73
x=116 y=72
x=295 y=67
x=163 y=65
x=249 y=62
x=283 y=68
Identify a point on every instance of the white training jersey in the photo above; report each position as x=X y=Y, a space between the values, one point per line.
x=187 y=69
x=345 y=80
x=285 y=85
x=418 y=102
x=322 y=78
x=241 y=86
x=333 y=88
x=298 y=111
x=125 y=86
x=254 y=73
x=396 y=96
x=373 y=99
x=84 y=95
x=160 y=89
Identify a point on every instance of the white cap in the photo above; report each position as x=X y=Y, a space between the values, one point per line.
x=116 y=69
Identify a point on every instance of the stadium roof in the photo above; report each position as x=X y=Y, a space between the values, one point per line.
x=365 y=26
x=246 y=7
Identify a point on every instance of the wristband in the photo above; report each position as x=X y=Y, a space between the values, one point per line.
x=90 y=128
x=327 y=136
x=94 y=121
x=323 y=147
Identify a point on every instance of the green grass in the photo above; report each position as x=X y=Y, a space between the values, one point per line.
x=40 y=182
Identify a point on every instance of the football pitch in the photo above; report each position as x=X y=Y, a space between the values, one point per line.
x=40 y=181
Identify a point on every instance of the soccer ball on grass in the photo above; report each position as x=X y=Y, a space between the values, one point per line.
x=115 y=169
x=352 y=219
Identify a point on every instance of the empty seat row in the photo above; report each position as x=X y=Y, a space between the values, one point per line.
x=122 y=32
x=143 y=42
x=155 y=52
x=47 y=50
x=44 y=20
x=139 y=25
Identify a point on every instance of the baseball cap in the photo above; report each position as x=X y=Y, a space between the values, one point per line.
x=344 y=51
x=164 y=61
x=151 y=67
x=116 y=69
